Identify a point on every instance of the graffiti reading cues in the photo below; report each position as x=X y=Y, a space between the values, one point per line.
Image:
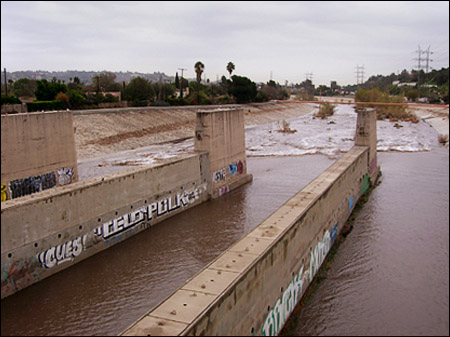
x=62 y=253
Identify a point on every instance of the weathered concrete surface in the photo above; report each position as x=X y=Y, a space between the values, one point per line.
x=220 y=132
x=51 y=230
x=253 y=286
x=34 y=145
x=366 y=135
x=44 y=233
x=438 y=118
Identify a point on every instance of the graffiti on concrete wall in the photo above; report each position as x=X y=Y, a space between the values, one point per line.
x=4 y=192
x=365 y=183
x=26 y=186
x=224 y=190
x=350 y=202
x=17 y=275
x=236 y=168
x=147 y=213
x=233 y=169
x=65 y=252
x=284 y=306
x=65 y=175
x=30 y=185
x=219 y=175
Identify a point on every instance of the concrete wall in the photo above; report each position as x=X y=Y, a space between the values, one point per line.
x=366 y=135
x=253 y=286
x=14 y=108
x=44 y=233
x=49 y=231
x=221 y=133
x=38 y=152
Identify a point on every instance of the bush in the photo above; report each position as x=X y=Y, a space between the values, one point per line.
x=10 y=100
x=326 y=110
x=393 y=112
x=46 y=106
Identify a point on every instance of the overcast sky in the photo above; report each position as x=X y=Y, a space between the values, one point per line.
x=285 y=40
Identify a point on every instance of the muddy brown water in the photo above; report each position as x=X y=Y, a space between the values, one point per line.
x=390 y=276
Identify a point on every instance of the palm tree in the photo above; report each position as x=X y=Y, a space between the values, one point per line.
x=230 y=67
x=199 y=67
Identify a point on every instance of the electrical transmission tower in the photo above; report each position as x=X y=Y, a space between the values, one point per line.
x=309 y=76
x=359 y=74
x=426 y=59
x=420 y=59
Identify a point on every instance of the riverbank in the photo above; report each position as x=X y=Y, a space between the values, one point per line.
x=103 y=132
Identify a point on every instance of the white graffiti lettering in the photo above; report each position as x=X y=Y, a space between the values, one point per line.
x=219 y=175
x=284 y=306
x=147 y=213
x=62 y=253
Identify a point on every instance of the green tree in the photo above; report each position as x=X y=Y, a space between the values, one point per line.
x=243 y=89
x=47 y=91
x=105 y=81
x=177 y=81
x=199 y=68
x=230 y=67
x=24 y=87
x=139 y=89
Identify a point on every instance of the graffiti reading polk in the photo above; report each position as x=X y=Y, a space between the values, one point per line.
x=62 y=253
x=284 y=306
x=147 y=213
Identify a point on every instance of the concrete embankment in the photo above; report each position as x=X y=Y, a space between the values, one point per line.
x=106 y=131
x=436 y=117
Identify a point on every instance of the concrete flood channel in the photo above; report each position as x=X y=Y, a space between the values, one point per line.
x=128 y=278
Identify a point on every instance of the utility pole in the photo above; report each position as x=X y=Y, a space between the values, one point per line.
x=359 y=74
x=181 y=81
x=6 y=85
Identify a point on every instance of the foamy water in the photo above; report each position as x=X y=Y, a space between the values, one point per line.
x=310 y=135
x=334 y=135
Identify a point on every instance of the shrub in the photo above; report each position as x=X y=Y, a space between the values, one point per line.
x=10 y=100
x=326 y=110
x=46 y=106
x=285 y=127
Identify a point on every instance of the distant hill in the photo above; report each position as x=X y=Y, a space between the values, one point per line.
x=84 y=76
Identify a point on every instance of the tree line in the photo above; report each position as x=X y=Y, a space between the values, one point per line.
x=140 y=91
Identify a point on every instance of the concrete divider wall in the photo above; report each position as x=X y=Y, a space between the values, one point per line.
x=44 y=233
x=38 y=152
x=221 y=133
x=253 y=286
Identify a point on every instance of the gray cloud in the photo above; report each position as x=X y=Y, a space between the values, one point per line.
x=286 y=38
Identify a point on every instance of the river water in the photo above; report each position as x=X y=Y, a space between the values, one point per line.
x=390 y=276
